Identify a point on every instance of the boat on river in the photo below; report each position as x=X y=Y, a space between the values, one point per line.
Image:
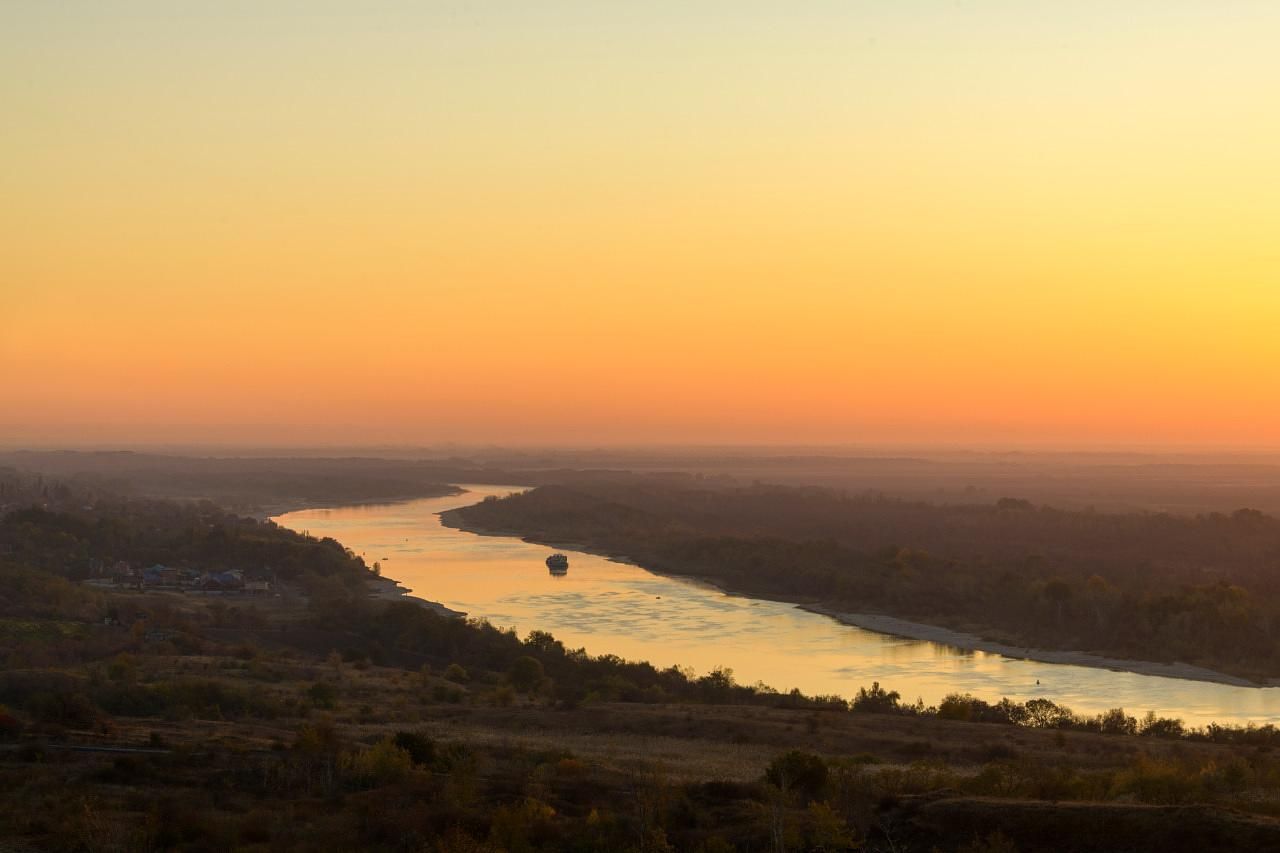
x=558 y=564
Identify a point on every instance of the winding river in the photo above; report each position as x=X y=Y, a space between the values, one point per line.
x=617 y=608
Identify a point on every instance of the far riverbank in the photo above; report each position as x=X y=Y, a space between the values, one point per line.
x=268 y=512
x=906 y=629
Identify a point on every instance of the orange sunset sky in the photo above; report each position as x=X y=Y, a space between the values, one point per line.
x=974 y=222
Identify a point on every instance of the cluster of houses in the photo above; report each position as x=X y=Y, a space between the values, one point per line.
x=161 y=577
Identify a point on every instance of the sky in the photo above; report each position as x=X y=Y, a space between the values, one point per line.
x=594 y=222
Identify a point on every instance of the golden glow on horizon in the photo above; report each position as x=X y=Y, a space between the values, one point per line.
x=980 y=221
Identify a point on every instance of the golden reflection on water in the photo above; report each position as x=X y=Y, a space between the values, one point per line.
x=616 y=608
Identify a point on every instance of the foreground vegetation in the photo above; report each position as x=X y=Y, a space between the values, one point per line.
x=1147 y=586
x=248 y=736
x=324 y=719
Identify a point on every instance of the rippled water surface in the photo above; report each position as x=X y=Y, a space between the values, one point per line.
x=612 y=607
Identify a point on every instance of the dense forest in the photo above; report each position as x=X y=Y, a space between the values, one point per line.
x=77 y=532
x=245 y=484
x=1197 y=589
x=262 y=484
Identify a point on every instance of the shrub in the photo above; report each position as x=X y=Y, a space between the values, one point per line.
x=132 y=700
x=1116 y=722
x=1153 y=726
x=525 y=674
x=123 y=669
x=523 y=826
x=322 y=694
x=381 y=764
x=420 y=748
x=827 y=830
x=876 y=700
x=996 y=842
x=440 y=693
x=802 y=772
x=956 y=707
x=204 y=698
x=70 y=709
x=1154 y=781
x=453 y=756
x=318 y=738
x=10 y=726
x=962 y=706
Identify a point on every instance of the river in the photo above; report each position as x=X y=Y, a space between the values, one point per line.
x=612 y=607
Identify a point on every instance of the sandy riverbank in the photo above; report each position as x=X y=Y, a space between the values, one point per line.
x=894 y=626
x=390 y=589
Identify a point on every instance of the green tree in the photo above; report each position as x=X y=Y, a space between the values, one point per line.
x=1116 y=722
x=1044 y=714
x=525 y=674
x=803 y=773
x=1059 y=593
x=381 y=764
x=322 y=694
x=420 y=748
x=877 y=700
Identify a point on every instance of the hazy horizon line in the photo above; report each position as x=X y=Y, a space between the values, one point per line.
x=765 y=447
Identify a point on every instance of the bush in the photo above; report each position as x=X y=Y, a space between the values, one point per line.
x=802 y=772
x=123 y=669
x=525 y=674
x=74 y=710
x=876 y=700
x=1154 y=781
x=203 y=698
x=523 y=826
x=962 y=706
x=381 y=764
x=322 y=695
x=131 y=700
x=420 y=748
x=1153 y=726
x=10 y=726
x=956 y=707
x=1116 y=722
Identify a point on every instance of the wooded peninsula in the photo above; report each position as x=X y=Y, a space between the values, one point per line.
x=1201 y=589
